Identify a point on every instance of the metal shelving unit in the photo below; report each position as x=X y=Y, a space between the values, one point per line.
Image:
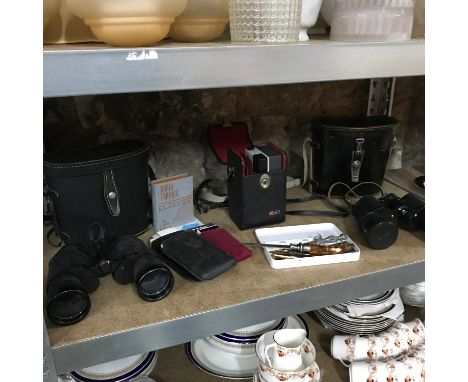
x=82 y=69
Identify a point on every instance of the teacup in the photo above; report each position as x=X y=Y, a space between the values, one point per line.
x=285 y=353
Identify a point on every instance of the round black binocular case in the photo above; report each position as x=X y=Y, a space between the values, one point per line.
x=75 y=270
x=380 y=219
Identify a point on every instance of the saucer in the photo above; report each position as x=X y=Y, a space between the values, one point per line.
x=219 y=362
x=248 y=341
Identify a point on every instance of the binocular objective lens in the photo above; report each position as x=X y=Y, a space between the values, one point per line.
x=69 y=307
x=154 y=284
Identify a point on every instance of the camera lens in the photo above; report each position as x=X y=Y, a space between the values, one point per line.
x=154 y=283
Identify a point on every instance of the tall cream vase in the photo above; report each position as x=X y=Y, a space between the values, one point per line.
x=49 y=9
x=128 y=23
x=202 y=20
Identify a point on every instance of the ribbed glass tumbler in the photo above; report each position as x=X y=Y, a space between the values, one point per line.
x=265 y=20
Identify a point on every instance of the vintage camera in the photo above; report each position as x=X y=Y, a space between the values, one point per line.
x=379 y=219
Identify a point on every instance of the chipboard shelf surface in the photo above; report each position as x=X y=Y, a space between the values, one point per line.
x=120 y=324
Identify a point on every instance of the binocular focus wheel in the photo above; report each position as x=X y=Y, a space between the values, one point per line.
x=68 y=307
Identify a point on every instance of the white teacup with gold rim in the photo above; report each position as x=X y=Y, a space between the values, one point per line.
x=286 y=352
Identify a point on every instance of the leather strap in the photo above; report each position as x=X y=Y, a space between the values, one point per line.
x=340 y=211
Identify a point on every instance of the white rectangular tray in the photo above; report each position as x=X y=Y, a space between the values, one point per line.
x=302 y=233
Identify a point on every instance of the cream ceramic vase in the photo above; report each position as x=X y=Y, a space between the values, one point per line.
x=128 y=22
x=65 y=28
x=202 y=20
x=49 y=9
x=309 y=15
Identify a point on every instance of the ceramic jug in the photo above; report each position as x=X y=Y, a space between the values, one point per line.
x=285 y=353
x=309 y=15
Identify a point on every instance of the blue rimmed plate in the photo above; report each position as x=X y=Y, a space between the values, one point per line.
x=120 y=370
x=221 y=362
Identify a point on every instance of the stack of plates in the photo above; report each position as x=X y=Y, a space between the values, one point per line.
x=414 y=295
x=121 y=370
x=367 y=315
x=232 y=354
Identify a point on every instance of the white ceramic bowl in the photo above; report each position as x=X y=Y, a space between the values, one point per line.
x=49 y=9
x=202 y=20
x=128 y=22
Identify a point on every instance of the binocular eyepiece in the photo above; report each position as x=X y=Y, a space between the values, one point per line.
x=75 y=270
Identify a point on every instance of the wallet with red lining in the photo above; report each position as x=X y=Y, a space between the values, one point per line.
x=228 y=243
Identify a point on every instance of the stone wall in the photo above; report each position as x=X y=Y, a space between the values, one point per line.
x=175 y=122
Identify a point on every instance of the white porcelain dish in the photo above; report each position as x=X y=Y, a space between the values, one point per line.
x=120 y=370
x=219 y=362
x=255 y=330
x=303 y=234
x=309 y=15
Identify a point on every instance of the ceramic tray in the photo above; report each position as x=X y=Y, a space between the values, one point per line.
x=304 y=234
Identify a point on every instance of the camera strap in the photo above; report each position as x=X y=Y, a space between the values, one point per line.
x=350 y=198
x=339 y=211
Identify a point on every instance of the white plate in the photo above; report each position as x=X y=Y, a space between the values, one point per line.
x=302 y=234
x=216 y=361
x=253 y=330
x=118 y=370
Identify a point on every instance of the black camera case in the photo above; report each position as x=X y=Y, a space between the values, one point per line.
x=253 y=200
x=350 y=150
x=105 y=185
x=258 y=199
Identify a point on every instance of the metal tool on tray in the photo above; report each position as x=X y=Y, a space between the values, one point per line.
x=319 y=246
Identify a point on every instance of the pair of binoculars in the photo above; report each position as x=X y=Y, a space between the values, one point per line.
x=75 y=270
x=380 y=219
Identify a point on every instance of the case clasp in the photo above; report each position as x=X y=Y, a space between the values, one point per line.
x=356 y=160
x=111 y=194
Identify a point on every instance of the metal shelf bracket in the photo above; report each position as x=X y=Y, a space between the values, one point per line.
x=381 y=96
x=49 y=372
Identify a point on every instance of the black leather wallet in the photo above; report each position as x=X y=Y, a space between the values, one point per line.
x=194 y=257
